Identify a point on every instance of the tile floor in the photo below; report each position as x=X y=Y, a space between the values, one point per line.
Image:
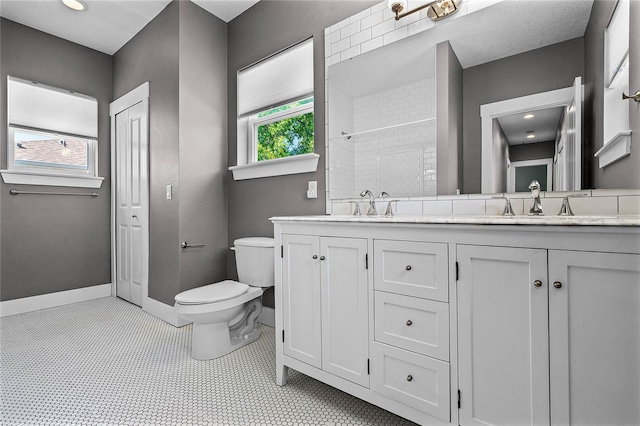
x=105 y=362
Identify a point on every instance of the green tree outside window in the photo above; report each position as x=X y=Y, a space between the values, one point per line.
x=285 y=138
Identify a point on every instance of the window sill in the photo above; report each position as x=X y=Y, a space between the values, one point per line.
x=304 y=163
x=23 y=177
x=619 y=146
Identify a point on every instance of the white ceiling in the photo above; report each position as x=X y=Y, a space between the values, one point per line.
x=543 y=124
x=106 y=25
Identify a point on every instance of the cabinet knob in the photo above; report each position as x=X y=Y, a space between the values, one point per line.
x=557 y=284
x=322 y=257
x=537 y=283
x=315 y=256
x=409 y=322
x=409 y=378
x=408 y=267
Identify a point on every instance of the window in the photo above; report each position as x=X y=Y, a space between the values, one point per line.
x=276 y=116
x=52 y=136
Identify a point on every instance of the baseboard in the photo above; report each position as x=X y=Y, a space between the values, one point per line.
x=163 y=311
x=267 y=316
x=51 y=300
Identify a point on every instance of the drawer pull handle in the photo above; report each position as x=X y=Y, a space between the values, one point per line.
x=409 y=322
x=537 y=283
x=409 y=378
x=315 y=256
x=408 y=267
x=322 y=258
x=557 y=284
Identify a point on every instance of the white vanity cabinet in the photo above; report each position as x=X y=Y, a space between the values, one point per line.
x=325 y=304
x=446 y=320
x=548 y=336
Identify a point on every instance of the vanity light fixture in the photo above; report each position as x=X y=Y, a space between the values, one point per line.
x=77 y=5
x=438 y=9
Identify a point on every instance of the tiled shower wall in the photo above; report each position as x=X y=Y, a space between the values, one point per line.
x=396 y=160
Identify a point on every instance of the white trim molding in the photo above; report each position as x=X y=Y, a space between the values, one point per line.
x=24 y=177
x=52 y=300
x=303 y=163
x=619 y=146
x=163 y=311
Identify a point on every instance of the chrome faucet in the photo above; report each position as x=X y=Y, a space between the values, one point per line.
x=371 y=211
x=536 y=205
x=565 y=210
x=508 y=210
x=388 y=212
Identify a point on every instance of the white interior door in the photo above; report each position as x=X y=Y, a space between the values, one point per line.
x=132 y=202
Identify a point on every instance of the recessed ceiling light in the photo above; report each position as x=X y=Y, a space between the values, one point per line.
x=531 y=136
x=77 y=5
x=529 y=116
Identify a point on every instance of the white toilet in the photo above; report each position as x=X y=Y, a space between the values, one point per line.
x=224 y=314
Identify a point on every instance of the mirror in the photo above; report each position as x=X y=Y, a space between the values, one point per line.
x=507 y=50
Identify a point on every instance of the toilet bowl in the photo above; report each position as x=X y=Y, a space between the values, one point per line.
x=224 y=314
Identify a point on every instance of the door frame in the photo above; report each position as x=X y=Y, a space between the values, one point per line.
x=513 y=165
x=137 y=95
x=489 y=112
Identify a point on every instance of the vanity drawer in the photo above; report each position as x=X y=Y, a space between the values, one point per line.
x=415 y=380
x=411 y=323
x=412 y=268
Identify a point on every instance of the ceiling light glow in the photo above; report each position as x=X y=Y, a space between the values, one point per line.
x=528 y=116
x=75 y=4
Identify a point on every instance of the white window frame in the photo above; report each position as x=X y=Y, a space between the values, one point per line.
x=50 y=176
x=254 y=122
x=261 y=87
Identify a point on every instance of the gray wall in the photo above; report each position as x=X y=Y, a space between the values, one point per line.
x=54 y=243
x=182 y=53
x=549 y=68
x=625 y=173
x=264 y=29
x=449 y=113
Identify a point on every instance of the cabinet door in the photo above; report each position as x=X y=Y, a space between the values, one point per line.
x=503 y=336
x=345 y=331
x=301 y=298
x=594 y=318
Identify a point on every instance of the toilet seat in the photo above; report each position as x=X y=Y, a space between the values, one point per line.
x=212 y=293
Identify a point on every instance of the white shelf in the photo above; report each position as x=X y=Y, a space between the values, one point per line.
x=619 y=146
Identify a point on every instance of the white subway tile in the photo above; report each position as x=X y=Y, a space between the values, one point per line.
x=374 y=43
x=350 y=30
x=469 y=207
x=437 y=207
x=371 y=20
x=614 y=192
x=394 y=36
x=335 y=36
x=340 y=46
x=361 y=37
x=340 y=25
x=350 y=53
x=594 y=206
x=407 y=208
x=382 y=28
x=379 y=7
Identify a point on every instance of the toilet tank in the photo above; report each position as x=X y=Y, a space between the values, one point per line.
x=254 y=261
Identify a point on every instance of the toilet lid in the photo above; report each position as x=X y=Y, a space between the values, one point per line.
x=212 y=293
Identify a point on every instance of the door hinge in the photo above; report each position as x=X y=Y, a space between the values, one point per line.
x=368 y=366
x=283 y=338
x=366 y=261
x=457 y=271
x=282 y=251
x=459 y=399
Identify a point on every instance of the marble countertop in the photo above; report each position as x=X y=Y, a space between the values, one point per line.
x=472 y=220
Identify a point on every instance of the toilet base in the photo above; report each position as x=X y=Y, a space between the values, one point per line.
x=213 y=340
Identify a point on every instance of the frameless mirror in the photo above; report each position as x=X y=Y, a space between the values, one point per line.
x=371 y=148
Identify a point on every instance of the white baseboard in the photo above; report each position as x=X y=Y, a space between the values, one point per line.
x=163 y=311
x=267 y=316
x=51 y=300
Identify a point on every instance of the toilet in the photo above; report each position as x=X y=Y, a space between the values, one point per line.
x=224 y=314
